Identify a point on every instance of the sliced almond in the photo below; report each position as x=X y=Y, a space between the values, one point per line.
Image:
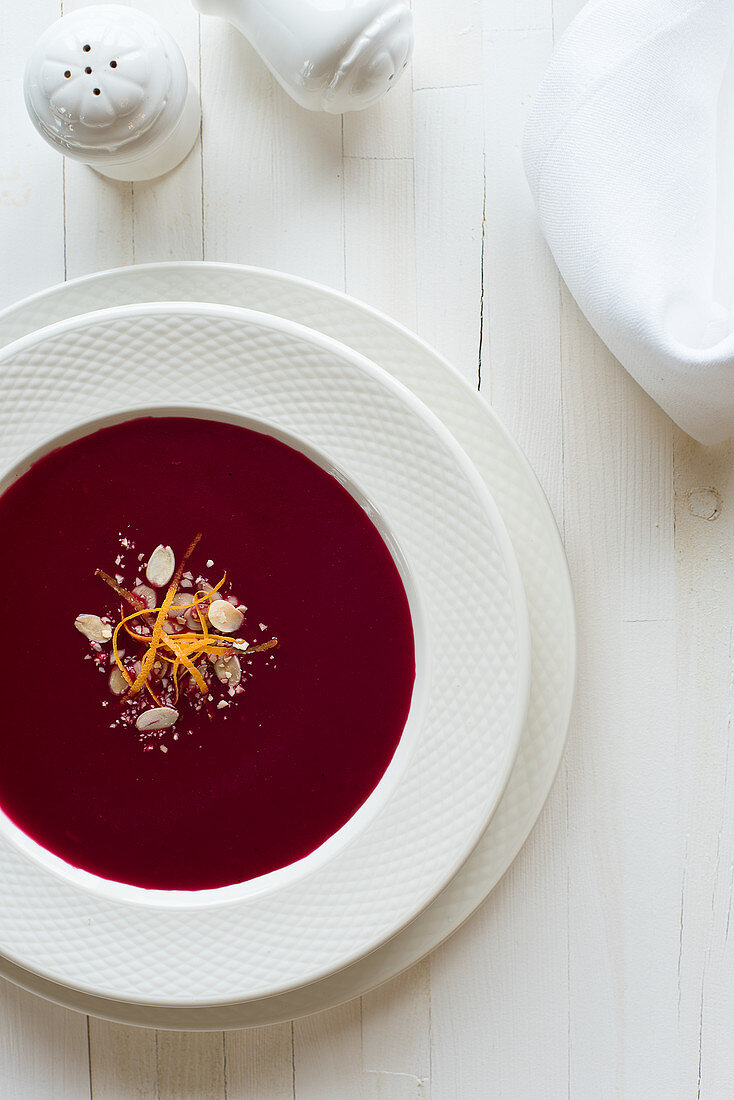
x=224 y=617
x=161 y=565
x=192 y=621
x=236 y=602
x=228 y=670
x=145 y=594
x=118 y=683
x=157 y=718
x=92 y=627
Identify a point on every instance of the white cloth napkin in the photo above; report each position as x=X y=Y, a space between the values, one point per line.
x=626 y=148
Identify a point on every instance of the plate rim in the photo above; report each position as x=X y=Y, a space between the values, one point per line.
x=483 y=871
x=410 y=400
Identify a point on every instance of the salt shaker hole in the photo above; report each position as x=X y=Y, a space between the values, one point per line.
x=67 y=74
x=113 y=64
x=88 y=69
x=96 y=91
x=86 y=48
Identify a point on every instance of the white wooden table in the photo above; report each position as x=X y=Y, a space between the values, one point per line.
x=602 y=964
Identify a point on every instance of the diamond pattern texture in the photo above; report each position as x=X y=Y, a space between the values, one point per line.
x=455 y=545
x=537 y=547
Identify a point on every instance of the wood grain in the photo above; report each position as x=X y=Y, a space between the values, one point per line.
x=601 y=966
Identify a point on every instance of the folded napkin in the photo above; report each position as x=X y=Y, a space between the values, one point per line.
x=625 y=151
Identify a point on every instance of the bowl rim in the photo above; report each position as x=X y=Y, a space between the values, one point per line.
x=480 y=488
x=289 y=873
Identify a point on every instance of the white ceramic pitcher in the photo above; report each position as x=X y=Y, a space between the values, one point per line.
x=329 y=55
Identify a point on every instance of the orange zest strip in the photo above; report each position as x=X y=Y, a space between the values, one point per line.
x=133 y=634
x=190 y=667
x=174 y=674
x=260 y=648
x=115 y=644
x=155 y=641
x=200 y=596
x=185 y=649
x=123 y=593
x=165 y=607
x=118 y=658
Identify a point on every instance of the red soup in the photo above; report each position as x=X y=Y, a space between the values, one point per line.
x=227 y=729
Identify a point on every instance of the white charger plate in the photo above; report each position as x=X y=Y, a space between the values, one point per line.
x=472 y=679
x=542 y=563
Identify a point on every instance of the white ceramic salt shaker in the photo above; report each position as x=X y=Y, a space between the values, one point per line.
x=329 y=55
x=107 y=85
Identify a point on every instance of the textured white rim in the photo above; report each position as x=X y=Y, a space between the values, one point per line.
x=479 y=489
x=122 y=891
x=458 y=403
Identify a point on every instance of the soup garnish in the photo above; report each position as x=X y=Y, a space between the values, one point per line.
x=185 y=649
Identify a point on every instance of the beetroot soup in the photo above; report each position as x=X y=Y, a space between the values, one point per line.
x=242 y=665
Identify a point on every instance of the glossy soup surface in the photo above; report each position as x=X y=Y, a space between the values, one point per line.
x=239 y=791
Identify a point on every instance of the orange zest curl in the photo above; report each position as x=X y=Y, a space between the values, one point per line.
x=181 y=650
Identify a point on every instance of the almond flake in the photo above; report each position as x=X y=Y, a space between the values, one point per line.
x=161 y=565
x=224 y=617
x=118 y=683
x=228 y=670
x=146 y=594
x=157 y=718
x=92 y=627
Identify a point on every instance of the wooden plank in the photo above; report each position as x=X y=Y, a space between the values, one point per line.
x=379 y=206
x=98 y=213
x=379 y=235
x=31 y=174
x=123 y=1061
x=623 y=908
x=43 y=1049
x=499 y=1014
x=448 y=43
x=259 y=1063
x=396 y=1026
x=564 y=12
x=499 y=999
x=641 y=909
x=167 y=212
x=99 y=221
x=385 y=130
x=191 y=1065
x=328 y=1054
x=521 y=15
x=704 y=484
x=449 y=219
x=620 y=765
x=272 y=171
x=521 y=372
